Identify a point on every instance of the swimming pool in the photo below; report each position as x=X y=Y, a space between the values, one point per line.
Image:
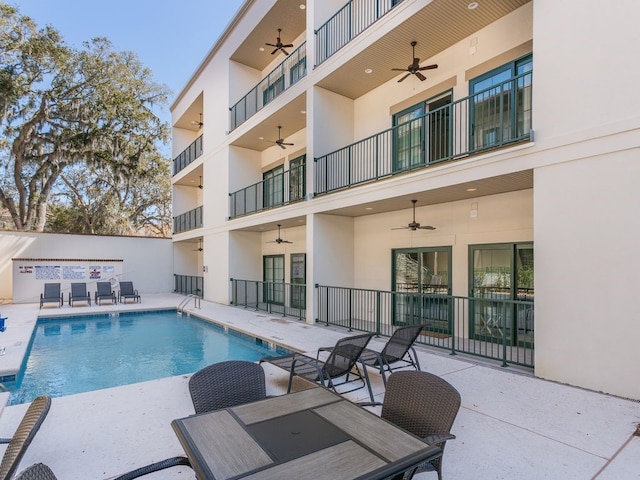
x=79 y=354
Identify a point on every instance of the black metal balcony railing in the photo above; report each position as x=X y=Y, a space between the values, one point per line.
x=493 y=328
x=189 y=284
x=287 y=299
x=348 y=22
x=188 y=155
x=188 y=221
x=275 y=191
x=492 y=118
x=292 y=69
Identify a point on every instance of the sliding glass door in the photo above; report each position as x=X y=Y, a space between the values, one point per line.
x=421 y=285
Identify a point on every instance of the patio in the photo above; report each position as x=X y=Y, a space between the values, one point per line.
x=510 y=425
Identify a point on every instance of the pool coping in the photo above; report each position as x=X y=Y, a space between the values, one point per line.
x=18 y=351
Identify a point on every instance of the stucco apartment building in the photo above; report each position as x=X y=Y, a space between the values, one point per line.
x=305 y=135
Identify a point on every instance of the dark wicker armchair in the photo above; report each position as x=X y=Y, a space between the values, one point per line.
x=40 y=471
x=24 y=434
x=226 y=384
x=425 y=405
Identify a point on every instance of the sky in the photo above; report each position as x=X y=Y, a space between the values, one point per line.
x=171 y=37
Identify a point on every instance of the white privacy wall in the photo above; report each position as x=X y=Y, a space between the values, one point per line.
x=28 y=260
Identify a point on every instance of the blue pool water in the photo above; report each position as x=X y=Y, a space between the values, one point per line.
x=80 y=354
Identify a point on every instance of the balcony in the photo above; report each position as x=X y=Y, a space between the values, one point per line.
x=187 y=156
x=487 y=326
x=292 y=69
x=188 y=221
x=351 y=20
x=492 y=118
x=275 y=191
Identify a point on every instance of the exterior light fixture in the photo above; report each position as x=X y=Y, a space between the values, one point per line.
x=368 y=70
x=472 y=5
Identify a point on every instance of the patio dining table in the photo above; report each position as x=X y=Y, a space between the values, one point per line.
x=313 y=433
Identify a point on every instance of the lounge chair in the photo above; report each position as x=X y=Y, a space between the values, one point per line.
x=397 y=353
x=226 y=384
x=40 y=471
x=104 y=292
x=425 y=405
x=51 y=294
x=24 y=434
x=79 y=293
x=127 y=291
x=342 y=362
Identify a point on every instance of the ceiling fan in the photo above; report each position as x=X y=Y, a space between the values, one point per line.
x=279 y=45
x=413 y=226
x=279 y=240
x=280 y=141
x=415 y=68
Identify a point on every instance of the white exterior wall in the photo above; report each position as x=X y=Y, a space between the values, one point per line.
x=148 y=262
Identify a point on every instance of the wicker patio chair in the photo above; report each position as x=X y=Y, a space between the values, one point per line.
x=104 y=292
x=127 y=291
x=226 y=384
x=425 y=405
x=40 y=471
x=24 y=434
x=51 y=294
x=79 y=293
x=397 y=353
x=342 y=361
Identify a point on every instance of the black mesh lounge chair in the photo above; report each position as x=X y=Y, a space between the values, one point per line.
x=425 y=405
x=342 y=362
x=104 y=292
x=79 y=293
x=24 y=434
x=397 y=353
x=226 y=384
x=51 y=294
x=127 y=291
x=40 y=471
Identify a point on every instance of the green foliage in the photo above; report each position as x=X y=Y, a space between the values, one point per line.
x=73 y=119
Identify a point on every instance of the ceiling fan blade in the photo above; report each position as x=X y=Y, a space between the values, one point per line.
x=399 y=69
x=281 y=145
x=415 y=65
x=288 y=45
x=404 y=77
x=426 y=227
x=284 y=51
x=271 y=45
x=429 y=67
x=274 y=51
x=400 y=228
x=421 y=76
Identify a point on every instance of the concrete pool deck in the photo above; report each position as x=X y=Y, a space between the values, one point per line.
x=510 y=426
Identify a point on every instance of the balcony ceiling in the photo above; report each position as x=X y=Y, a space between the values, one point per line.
x=511 y=182
x=286 y=15
x=438 y=26
x=289 y=117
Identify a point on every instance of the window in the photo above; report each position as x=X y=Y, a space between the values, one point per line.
x=298 y=70
x=273 y=275
x=501 y=104
x=423 y=133
x=273 y=89
x=501 y=292
x=422 y=281
x=273 y=187
x=297 y=178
